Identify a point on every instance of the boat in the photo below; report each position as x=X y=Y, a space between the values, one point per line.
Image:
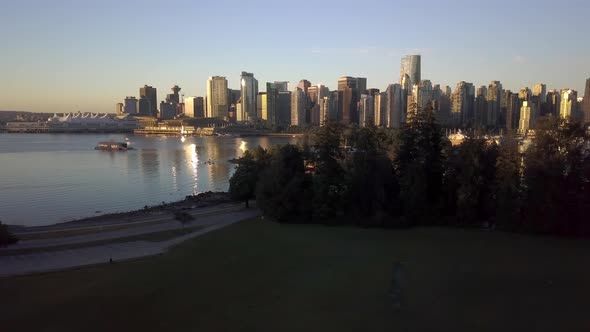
x=113 y=146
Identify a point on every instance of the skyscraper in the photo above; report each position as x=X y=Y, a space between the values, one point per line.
x=526 y=112
x=262 y=105
x=586 y=102
x=217 y=97
x=249 y=92
x=540 y=91
x=174 y=97
x=281 y=86
x=143 y=106
x=152 y=97
x=367 y=111
x=411 y=66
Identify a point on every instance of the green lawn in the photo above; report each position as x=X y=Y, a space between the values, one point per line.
x=262 y=276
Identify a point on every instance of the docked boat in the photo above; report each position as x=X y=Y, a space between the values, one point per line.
x=113 y=146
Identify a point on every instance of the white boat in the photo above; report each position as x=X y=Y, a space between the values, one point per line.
x=113 y=146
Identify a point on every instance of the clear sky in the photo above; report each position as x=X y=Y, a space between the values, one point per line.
x=68 y=55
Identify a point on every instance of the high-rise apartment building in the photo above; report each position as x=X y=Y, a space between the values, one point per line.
x=348 y=96
x=494 y=99
x=462 y=101
x=586 y=102
x=526 y=112
x=366 y=111
x=262 y=105
x=569 y=100
x=217 y=98
x=151 y=94
x=298 y=105
x=553 y=102
x=411 y=66
x=540 y=92
x=249 y=93
x=393 y=105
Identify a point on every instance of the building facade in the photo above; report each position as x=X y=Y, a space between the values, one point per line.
x=217 y=98
x=152 y=96
x=249 y=93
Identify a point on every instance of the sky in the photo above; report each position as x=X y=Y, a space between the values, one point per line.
x=70 y=55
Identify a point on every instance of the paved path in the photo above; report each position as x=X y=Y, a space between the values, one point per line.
x=203 y=217
x=59 y=260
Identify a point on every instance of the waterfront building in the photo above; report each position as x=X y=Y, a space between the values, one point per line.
x=262 y=105
x=90 y=122
x=284 y=108
x=151 y=94
x=143 y=106
x=167 y=110
x=248 y=93
x=193 y=107
x=119 y=109
x=217 y=98
x=130 y=105
x=174 y=97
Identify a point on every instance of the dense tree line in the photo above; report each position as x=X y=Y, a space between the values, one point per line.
x=415 y=176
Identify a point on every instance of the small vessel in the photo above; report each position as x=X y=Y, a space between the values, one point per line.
x=113 y=146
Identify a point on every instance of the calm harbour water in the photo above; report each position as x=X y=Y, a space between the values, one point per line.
x=50 y=178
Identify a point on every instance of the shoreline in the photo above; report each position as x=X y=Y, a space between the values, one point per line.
x=190 y=202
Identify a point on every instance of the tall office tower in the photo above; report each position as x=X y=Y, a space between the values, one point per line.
x=526 y=112
x=482 y=91
x=284 y=110
x=298 y=104
x=586 y=102
x=167 y=110
x=281 y=86
x=462 y=101
x=249 y=91
x=174 y=97
x=234 y=96
x=119 y=110
x=348 y=96
x=262 y=105
x=217 y=98
x=553 y=102
x=540 y=91
x=272 y=103
x=569 y=99
x=411 y=66
x=316 y=94
x=361 y=85
x=193 y=107
x=367 y=111
x=130 y=105
x=151 y=94
x=143 y=106
x=494 y=99
x=393 y=104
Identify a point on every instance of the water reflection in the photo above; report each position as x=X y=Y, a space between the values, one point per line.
x=192 y=162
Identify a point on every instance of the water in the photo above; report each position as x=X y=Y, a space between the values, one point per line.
x=50 y=178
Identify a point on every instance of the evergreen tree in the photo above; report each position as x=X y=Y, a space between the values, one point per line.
x=508 y=183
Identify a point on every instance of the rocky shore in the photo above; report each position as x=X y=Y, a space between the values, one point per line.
x=202 y=200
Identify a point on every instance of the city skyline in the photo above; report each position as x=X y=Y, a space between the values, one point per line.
x=67 y=56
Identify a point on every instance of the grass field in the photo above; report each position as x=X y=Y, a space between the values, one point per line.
x=262 y=276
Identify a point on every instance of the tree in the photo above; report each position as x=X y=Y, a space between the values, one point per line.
x=282 y=192
x=508 y=183
x=6 y=237
x=242 y=185
x=419 y=165
x=556 y=179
